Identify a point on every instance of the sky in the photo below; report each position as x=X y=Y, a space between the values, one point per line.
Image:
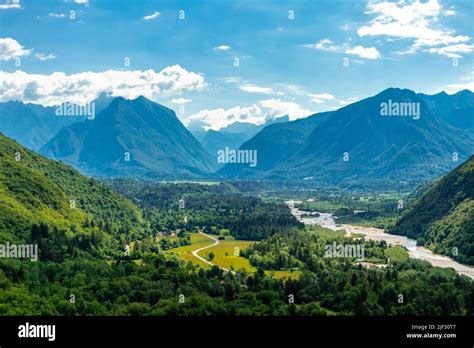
x=216 y=62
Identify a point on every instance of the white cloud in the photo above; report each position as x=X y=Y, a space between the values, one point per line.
x=10 y=4
x=232 y=79
x=364 y=52
x=320 y=98
x=57 y=15
x=348 y=101
x=278 y=107
x=222 y=48
x=153 y=16
x=218 y=118
x=450 y=13
x=415 y=20
x=81 y=88
x=44 y=56
x=11 y=49
x=251 y=88
x=459 y=87
x=257 y=114
x=325 y=45
x=82 y=2
x=452 y=51
x=181 y=101
x=328 y=45
x=294 y=89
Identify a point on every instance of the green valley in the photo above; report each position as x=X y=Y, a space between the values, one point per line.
x=125 y=247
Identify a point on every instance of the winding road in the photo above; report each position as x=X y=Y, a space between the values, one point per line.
x=216 y=242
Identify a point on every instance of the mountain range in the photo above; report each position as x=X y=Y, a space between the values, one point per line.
x=356 y=145
x=456 y=109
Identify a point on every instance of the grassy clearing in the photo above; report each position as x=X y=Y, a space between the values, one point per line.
x=324 y=232
x=197 y=241
x=397 y=253
x=226 y=254
x=185 y=252
x=138 y=262
x=284 y=274
x=190 y=257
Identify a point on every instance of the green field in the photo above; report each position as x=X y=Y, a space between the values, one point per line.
x=284 y=274
x=324 y=232
x=226 y=254
x=397 y=253
x=185 y=252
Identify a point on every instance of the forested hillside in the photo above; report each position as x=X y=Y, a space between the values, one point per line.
x=443 y=217
x=35 y=190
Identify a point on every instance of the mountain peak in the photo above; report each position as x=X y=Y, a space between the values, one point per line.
x=138 y=138
x=142 y=101
x=397 y=92
x=103 y=95
x=122 y=101
x=464 y=92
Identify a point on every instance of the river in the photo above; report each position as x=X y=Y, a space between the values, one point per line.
x=418 y=252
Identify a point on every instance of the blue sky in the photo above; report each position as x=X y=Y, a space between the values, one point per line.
x=294 y=57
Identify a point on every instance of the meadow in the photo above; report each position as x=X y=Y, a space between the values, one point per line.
x=226 y=255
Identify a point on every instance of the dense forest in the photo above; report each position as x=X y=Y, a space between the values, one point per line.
x=162 y=285
x=212 y=207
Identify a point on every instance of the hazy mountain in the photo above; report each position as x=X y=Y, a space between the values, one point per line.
x=102 y=102
x=456 y=109
x=250 y=129
x=136 y=138
x=34 y=125
x=30 y=124
x=273 y=144
x=214 y=141
x=443 y=217
x=198 y=133
x=234 y=135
